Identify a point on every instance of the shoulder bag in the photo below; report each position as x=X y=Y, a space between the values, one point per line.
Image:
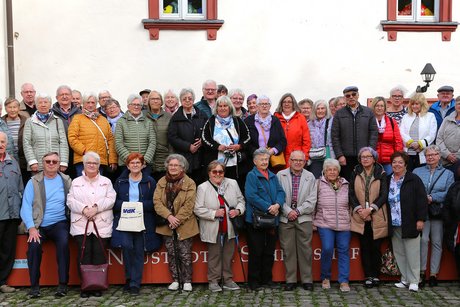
x=276 y=161
x=320 y=153
x=263 y=220
x=435 y=209
x=238 y=222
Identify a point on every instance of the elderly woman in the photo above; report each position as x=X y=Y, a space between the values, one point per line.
x=237 y=97
x=408 y=204
x=389 y=139
x=320 y=134
x=447 y=139
x=219 y=200
x=184 y=134
x=251 y=103
x=225 y=137
x=263 y=194
x=332 y=220
x=44 y=132
x=113 y=111
x=160 y=119
x=418 y=130
x=10 y=204
x=133 y=185
x=15 y=122
x=91 y=198
x=331 y=106
x=294 y=125
x=339 y=102
x=437 y=181
x=171 y=102
x=222 y=90
x=90 y=131
x=305 y=108
x=368 y=192
x=174 y=200
x=135 y=133
x=396 y=108
x=265 y=129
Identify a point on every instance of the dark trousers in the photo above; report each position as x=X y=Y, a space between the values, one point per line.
x=457 y=259
x=346 y=170
x=316 y=168
x=93 y=253
x=133 y=258
x=8 y=229
x=261 y=245
x=59 y=233
x=414 y=162
x=371 y=257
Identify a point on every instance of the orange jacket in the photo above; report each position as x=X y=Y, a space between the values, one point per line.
x=297 y=135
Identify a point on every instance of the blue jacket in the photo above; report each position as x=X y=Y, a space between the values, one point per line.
x=441 y=186
x=262 y=193
x=436 y=110
x=152 y=241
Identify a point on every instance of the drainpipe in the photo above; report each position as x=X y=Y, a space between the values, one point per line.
x=10 y=47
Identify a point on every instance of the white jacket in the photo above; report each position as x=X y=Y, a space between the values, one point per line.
x=426 y=132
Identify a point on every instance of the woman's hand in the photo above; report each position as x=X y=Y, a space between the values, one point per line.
x=234 y=147
x=271 y=151
x=219 y=213
x=222 y=148
x=195 y=146
x=420 y=225
x=62 y=168
x=274 y=209
x=174 y=222
x=233 y=213
x=34 y=168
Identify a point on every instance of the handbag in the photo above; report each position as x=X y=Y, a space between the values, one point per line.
x=321 y=153
x=389 y=264
x=238 y=221
x=94 y=277
x=435 y=208
x=132 y=217
x=263 y=220
x=160 y=221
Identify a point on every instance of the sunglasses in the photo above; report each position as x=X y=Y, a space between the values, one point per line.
x=351 y=95
x=215 y=172
x=51 y=162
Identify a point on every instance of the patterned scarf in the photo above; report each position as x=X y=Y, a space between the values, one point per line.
x=265 y=123
x=317 y=133
x=173 y=187
x=91 y=115
x=225 y=122
x=43 y=117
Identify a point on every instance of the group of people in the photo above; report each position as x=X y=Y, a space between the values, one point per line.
x=337 y=167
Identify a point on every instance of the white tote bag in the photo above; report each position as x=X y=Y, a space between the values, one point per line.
x=132 y=217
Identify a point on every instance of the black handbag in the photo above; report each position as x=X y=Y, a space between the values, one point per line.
x=435 y=209
x=160 y=221
x=263 y=220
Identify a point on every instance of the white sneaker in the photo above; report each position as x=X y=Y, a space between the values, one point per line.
x=187 y=286
x=401 y=284
x=174 y=286
x=413 y=287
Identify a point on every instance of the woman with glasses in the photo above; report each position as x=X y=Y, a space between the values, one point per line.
x=396 y=108
x=237 y=97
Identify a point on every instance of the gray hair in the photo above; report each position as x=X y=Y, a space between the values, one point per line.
x=209 y=82
x=182 y=161
x=337 y=99
x=43 y=96
x=263 y=97
x=26 y=84
x=237 y=91
x=63 y=87
x=316 y=105
x=299 y=152
x=331 y=163
x=433 y=147
x=10 y=100
x=102 y=92
x=76 y=91
x=398 y=88
x=227 y=101
x=51 y=153
x=261 y=152
x=374 y=154
x=172 y=92
x=112 y=101
x=5 y=136
x=91 y=154
x=87 y=96
x=186 y=91
x=133 y=97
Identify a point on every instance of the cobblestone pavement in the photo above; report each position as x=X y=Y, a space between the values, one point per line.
x=447 y=294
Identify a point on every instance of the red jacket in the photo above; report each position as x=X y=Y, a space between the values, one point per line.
x=297 y=135
x=389 y=141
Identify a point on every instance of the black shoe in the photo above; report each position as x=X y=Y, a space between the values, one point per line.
x=34 y=292
x=433 y=282
x=375 y=281
x=422 y=282
x=290 y=286
x=255 y=286
x=84 y=294
x=97 y=293
x=61 y=291
x=134 y=291
x=368 y=283
x=270 y=285
x=126 y=286
x=308 y=286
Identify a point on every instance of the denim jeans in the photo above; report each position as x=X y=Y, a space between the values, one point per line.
x=342 y=241
x=133 y=259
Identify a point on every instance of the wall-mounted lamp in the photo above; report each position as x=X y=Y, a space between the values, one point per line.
x=428 y=74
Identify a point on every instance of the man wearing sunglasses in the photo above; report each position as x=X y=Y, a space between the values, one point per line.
x=49 y=187
x=353 y=128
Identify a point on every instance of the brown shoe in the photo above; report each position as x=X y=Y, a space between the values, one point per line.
x=344 y=287
x=7 y=289
x=326 y=284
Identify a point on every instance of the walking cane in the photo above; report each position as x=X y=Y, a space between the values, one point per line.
x=222 y=237
x=176 y=259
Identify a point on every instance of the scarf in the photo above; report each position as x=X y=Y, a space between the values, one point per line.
x=225 y=122
x=173 y=187
x=91 y=115
x=288 y=117
x=113 y=121
x=43 y=117
x=381 y=125
x=171 y=110
x=265 y=123
x=317 y=133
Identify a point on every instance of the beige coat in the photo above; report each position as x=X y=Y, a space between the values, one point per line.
x=183 y=208
x=207 y=203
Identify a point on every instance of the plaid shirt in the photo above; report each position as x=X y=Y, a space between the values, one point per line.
x=295 y=189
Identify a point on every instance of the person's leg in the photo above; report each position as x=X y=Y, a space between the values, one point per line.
x=229 y=249
x=34 y=259
x=399 y=253
x=424 y=245
x=327 y=237
x=128 y=255
x=137 y=264
x=342 y=241
x=8 y=229
x=255 y=240
x=412 y=254
x=436 y=246
x=268 y=255
x=304 y=234
x=169 y=244
x=185 y=256
x=78 y=169
x=214 y=261
x=59 y=233
x=376 y=257
x=366 y=242
x=288 y=244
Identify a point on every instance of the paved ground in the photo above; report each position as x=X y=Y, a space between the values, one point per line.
x=447 y=294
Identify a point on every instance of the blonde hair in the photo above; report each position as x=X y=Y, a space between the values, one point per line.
x=420 y=98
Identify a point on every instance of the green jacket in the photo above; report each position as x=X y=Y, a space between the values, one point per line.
x=135 y=136
x=163 y=149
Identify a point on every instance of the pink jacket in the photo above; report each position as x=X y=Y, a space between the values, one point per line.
x=332 y=208
x=84 y=192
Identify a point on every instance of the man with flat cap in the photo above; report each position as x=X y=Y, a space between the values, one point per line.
x=353 y=128
x=445 y=105
x=145 y=98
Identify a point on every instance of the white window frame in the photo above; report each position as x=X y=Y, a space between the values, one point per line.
x=416 y=7
x=182 y=8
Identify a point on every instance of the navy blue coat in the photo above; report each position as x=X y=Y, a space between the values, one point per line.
x=152 y=241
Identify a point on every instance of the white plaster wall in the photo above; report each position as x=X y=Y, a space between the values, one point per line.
x=310 y=48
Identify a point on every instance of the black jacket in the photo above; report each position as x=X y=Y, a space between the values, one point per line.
x=182 y=132
x=451 y=215
x=276 y=140
x=414 y=205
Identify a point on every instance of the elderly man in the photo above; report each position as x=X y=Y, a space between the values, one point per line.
x=103 y=97
x=445 y=105
x=207 y=102
x=296 y=228
x=396 y=108
x=10 y=203
x=76 y=98
x=63 y=108
x=43 y=212
x=145 y=98
x=27 y=107
x=353 y=128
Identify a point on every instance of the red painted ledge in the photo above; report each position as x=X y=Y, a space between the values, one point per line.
x=155 y=25
x=393 y=27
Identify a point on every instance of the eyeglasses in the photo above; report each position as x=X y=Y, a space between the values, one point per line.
x=135 y=162
x=397 y=96
x=432 y=155
x=351 y=95
x=297 y=160
x=136 y=105
x=155 y=99
x=215 y=172
x=92 y=163
x=367 y=157
x=174 y=165
x=54 y=162
x=210 y=89
x=264 y=104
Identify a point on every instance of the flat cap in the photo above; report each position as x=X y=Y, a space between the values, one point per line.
x=146 y=91
x=351 y=88
x=446 y=88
